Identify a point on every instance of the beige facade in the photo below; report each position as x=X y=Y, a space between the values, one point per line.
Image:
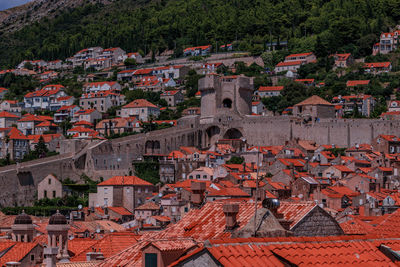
x=101 y=102
x=141 y=109
x=314 y=107
x=50 y=187
x=127 y=196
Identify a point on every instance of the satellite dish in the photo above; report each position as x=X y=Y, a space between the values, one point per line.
x=80 y=206
x=271 y=203
x=112 y=230
x=289 y=74
x=97 y=230
x=159 y=194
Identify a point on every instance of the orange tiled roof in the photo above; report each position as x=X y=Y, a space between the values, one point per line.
x=299 y=55
x=16 y=134
x=377 y=65
x=356 y=227
x=244 y=255
x=342 y=168
x=110 y=245
x=227 y=192
x=331 y=253
x=298 y=251
x=270 y=88
x=17 y=252
x=124 y=180
x=390 y=227
x=148 y=206
x=290 y=63
x=46 y=124
x=295 y=212
x=5 y=114
x=133 y=255
x=120 y=210
x=140 y=103
x=314 y=100
x=357 y=83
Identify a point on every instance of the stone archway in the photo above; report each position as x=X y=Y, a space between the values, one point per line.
x=152 y=147
x=227 y=103
x=233 y=133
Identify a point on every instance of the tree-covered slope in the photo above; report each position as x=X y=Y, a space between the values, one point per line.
x=342 y=25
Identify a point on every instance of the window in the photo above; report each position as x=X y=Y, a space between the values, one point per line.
x=105 y=191
x=204 y=176
x=32 y=257
x=105 y=201
x=49 y=181
x=197 y=176
x=150 y=260
x=45 y=193
x=54 y=194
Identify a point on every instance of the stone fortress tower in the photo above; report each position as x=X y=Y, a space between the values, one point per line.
x=225 y=96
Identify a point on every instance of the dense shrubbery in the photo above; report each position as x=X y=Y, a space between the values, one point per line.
x=148 y=170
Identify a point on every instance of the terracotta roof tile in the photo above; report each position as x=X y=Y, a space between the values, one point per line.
x=124 y=180
x=314 y=100
x=120 y=210
x=140 y=103
x=109 y=245
x=148 y=206
x=357 y=83
x=5 y=114
x=17 y=252
x=16 y=134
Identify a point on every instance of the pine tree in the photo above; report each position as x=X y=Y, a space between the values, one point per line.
x=41 y=148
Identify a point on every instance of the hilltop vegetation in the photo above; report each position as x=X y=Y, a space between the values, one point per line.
x=318 y=25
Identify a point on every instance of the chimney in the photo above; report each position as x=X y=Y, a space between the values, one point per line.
x=50 y=256
x=198 y=189
x=230 y=210
x=306 y=164
x=260 y=194
x=367 y=209
x=94 y=256
x=291 y=170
